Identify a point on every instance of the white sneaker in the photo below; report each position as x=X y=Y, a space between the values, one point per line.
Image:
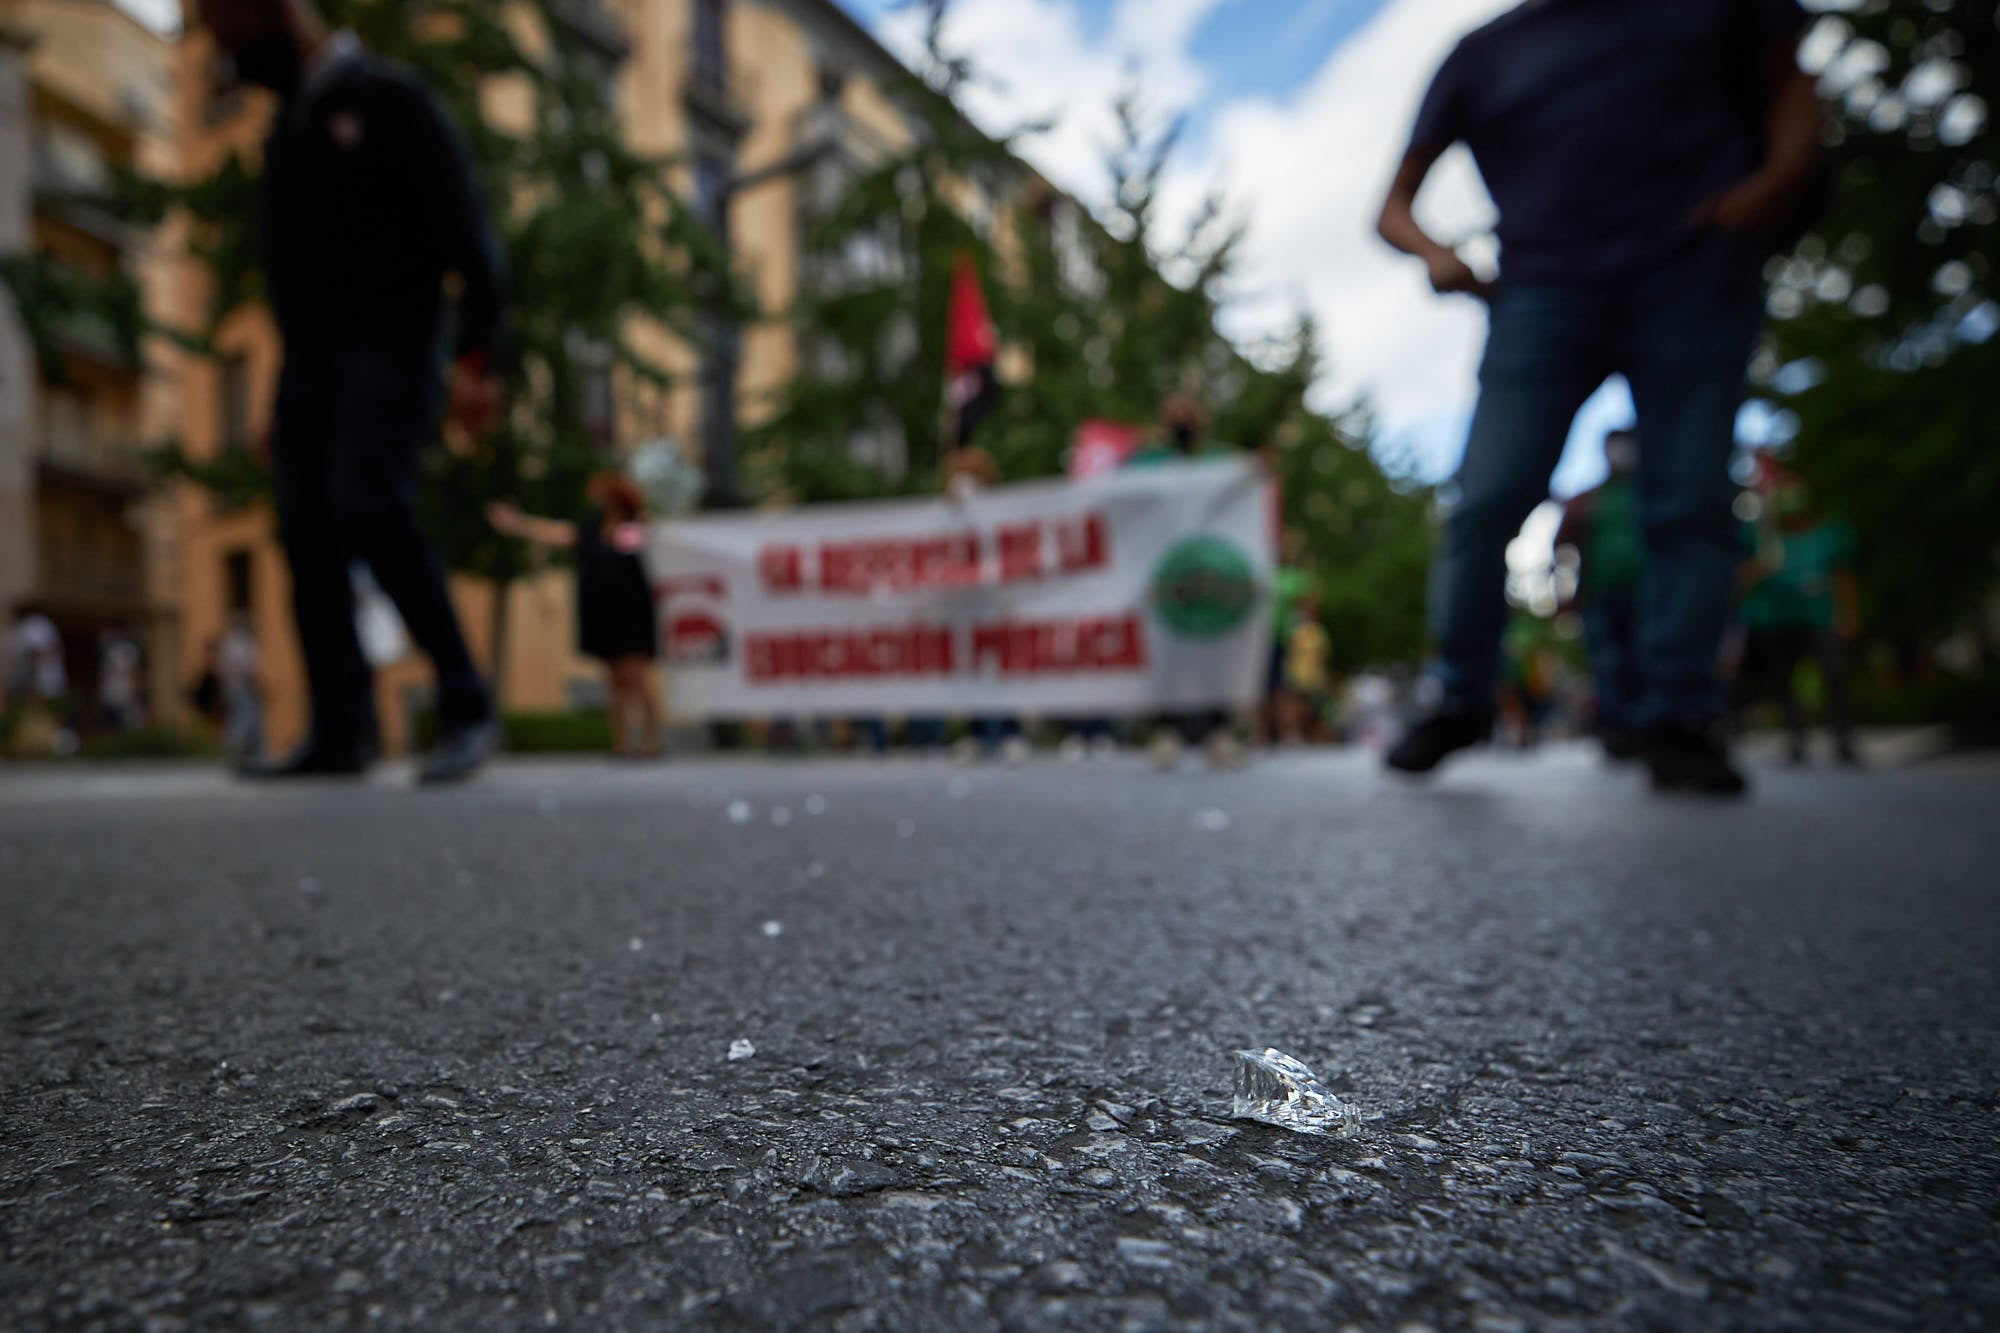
x=1072 y=749
x=1166 y=750
x=1015 y=751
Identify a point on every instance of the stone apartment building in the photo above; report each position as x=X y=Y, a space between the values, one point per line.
x=769 y=105
x=84 y=92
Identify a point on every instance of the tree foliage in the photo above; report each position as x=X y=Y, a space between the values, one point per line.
x=1882 y=349
x=871 y=316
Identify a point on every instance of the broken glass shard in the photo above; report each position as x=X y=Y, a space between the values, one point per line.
x=740 y=1049
x=1276 y=1089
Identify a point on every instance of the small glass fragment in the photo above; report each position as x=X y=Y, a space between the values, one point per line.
x=773 y=929
x=740 y=1049
x=1276 y=1089
x=739 y=812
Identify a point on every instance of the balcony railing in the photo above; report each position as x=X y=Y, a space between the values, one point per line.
x=96 y=580
x=81 y=452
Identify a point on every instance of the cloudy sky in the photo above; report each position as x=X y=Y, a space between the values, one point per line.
x=1298 y=111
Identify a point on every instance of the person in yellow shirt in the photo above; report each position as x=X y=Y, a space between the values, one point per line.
x=1308 y=652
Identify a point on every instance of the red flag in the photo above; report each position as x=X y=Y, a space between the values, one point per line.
x=971 y=387
x=972 y=340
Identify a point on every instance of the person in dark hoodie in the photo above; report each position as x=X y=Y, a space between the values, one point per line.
x=368 y=206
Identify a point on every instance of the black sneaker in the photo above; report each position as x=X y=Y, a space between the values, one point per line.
x=459 y=753
x=1438 y=736
x=1693 y=759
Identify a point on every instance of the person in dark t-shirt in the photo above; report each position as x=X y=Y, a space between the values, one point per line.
x=368 y=205
x=1645 y=158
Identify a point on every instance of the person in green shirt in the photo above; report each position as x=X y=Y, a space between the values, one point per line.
x=1799 y=604
x=1182 y=434
x=1604 y=528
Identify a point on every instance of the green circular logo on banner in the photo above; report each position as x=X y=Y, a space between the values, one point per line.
x=1205 y=588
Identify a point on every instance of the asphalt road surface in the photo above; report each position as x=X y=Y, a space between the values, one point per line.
x=370 y=1057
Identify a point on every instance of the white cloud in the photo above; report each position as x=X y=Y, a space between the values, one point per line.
x=1306 y=172
x=1038 y=63
x=1311 y=171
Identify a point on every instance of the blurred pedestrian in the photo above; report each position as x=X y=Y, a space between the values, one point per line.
x=205 y=695
x=38 y=687
x=368 y=206
x=1307 y=677
x=1645 y=160
x=239 y=672
x=35 y=670
x=1182 y=434
x=615 y=618
x=118 y=664
x=1603 y=527
x=1800 y=605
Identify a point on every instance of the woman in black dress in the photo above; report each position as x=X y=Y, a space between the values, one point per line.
x=615 y=618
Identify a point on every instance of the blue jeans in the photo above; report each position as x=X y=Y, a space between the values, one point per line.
x=1681 y=335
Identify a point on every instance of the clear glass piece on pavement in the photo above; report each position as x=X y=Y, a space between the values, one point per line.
x=1276 y=1089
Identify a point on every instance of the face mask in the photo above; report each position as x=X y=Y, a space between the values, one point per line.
x=270 y=60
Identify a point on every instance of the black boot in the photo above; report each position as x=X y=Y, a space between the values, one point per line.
x=1693 y=759
x=1434 y=738
x=313 y=759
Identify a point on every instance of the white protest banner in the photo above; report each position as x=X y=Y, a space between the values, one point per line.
x=1145 y=590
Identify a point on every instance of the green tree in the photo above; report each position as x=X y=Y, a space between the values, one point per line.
x=1882 y=349
x=871 y=316
x=595 y=238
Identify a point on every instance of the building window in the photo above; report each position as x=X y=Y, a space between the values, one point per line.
x=711 y=50
x=236 y=582
x=235 y=404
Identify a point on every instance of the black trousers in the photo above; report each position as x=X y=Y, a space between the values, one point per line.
x=350 y=426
